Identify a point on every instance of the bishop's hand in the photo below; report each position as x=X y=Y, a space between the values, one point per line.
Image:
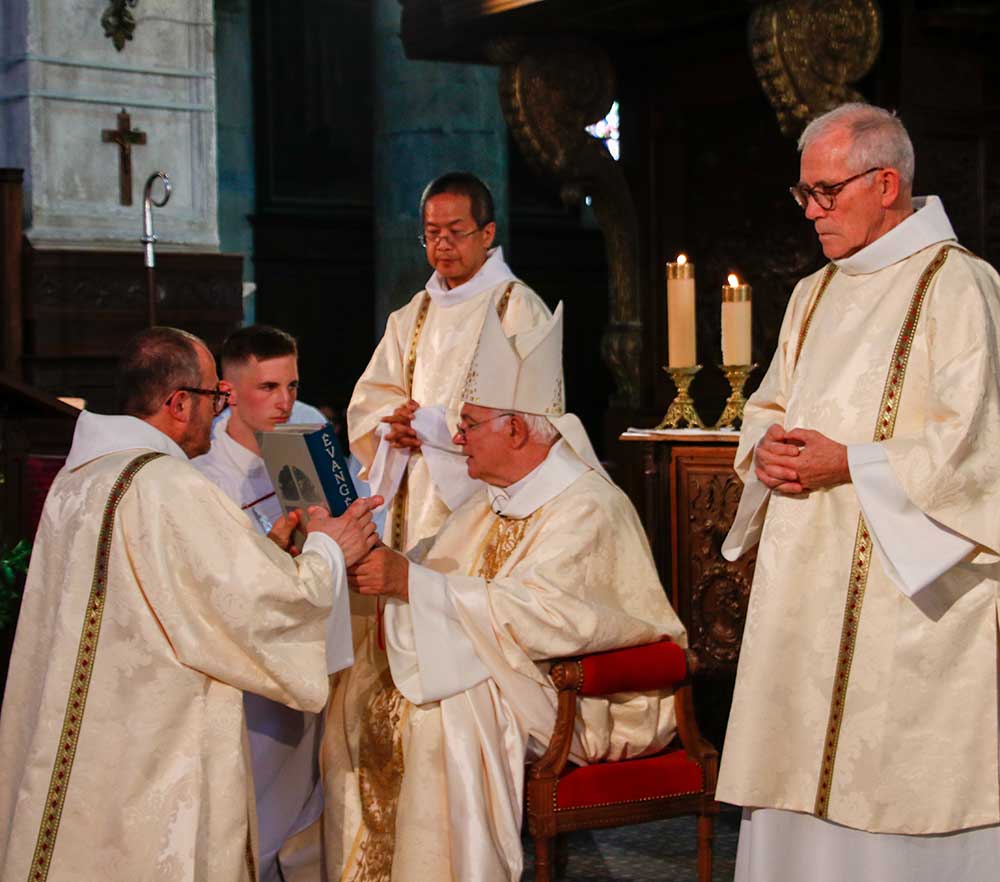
x=384 y=572
x=354 y=531
x=401 y=433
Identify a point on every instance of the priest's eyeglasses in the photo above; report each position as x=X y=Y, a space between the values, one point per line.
x=454 y=236
x=463 y=430
x=825 y=194
x=220 y=397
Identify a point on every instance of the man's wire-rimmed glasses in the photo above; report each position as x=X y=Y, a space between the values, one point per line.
x=465 y=427
x=454 y=236
x=220 y=397
x=825 y=194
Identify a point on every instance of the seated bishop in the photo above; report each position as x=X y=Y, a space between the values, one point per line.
x=426 y=741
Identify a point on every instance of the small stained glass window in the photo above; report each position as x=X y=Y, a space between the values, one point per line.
x=607 y=131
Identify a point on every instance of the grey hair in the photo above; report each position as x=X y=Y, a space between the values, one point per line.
x=878 y=138
x=539 y=428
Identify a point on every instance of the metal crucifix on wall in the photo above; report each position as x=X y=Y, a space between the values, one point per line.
x=125 y=137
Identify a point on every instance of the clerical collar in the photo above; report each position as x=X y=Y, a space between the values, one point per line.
x=98 y=435
x=926 y=226
x=492 y=273
x=245 y=460
x=541 y=485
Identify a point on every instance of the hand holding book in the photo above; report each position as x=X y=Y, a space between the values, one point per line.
x=354 y=531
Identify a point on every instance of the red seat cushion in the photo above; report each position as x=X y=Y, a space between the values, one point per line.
x=665 y=774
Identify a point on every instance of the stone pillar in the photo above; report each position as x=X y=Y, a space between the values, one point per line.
x=430 y=118
x=63 y=81
x=235 y=125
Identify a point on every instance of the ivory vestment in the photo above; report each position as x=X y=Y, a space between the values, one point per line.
x=284 y=743
x=427 y=782
x=916 y=750
x=445 y=347
x=198 y=608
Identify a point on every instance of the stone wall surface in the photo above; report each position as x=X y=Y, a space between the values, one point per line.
x=62 y=82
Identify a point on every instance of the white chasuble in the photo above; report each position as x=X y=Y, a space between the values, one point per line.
x=446 y=333
x=856 y=702
x=424 y=767
x=122 y=741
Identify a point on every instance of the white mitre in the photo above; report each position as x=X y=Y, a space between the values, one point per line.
x=524 y=373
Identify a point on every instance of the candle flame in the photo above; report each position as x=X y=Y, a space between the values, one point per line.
x=681 y=259
x=733 y=280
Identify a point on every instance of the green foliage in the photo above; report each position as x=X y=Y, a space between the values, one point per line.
x=12 y=562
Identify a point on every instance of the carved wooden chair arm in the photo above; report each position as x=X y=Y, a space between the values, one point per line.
x=661 y=665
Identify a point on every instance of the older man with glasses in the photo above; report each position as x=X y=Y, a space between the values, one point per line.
x=425 y=761
x=863 y=738
x=151 y=605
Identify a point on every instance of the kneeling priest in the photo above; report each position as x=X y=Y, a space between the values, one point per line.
x=424 y=761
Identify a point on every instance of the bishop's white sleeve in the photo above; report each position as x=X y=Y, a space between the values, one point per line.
x=914 y=548
x=430 y=655
x=339 y=645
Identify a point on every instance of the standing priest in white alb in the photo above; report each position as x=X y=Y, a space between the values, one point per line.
x=424 y=755
x=405 y=406
x=863 y=734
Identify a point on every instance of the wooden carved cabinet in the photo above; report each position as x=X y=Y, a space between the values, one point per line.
x=689 y=499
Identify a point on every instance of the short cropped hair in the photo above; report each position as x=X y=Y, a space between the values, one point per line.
x=154 y=364
x=256 y=341
x=878 y=138
x=463 y=184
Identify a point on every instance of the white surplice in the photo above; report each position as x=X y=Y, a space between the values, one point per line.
x=198 y=608
x=424 y=764
x=917 y=750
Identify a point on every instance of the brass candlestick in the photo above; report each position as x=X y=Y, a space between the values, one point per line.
x=681 y=409
x=733 y=412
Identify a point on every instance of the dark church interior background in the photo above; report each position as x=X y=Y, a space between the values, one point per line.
x=331 y=115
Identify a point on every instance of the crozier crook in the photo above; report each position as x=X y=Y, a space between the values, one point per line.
x=149 y=238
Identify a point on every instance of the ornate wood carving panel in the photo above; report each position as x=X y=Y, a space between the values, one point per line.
x=711 y=593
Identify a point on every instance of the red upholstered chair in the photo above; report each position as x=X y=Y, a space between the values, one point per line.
x=679 y=780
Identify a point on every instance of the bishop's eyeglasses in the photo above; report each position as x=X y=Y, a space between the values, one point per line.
x=825 y=194
x=220 y=397
x=465 y=426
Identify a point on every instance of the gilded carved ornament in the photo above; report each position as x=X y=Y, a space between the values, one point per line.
x=806 y=52
x=550 y=93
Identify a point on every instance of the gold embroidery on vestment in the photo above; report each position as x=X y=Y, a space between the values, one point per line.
x=823 y=285
x=885 y=423
x=380 y=777
x=503 y=537
x=79 y=687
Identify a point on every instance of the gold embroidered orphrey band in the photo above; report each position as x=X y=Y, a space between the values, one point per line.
x=82 y=673
x=823 y=285
x=884 y=426
x=399 y=505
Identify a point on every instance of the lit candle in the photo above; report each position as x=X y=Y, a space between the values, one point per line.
x=681 y=350
x=736 y=322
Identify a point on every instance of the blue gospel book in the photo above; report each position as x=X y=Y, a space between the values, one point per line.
x=307 y=467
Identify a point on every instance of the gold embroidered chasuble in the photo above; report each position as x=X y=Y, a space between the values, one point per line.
x=575 y=576
x=445 y=344
x=195 y=608
x=913 y=747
